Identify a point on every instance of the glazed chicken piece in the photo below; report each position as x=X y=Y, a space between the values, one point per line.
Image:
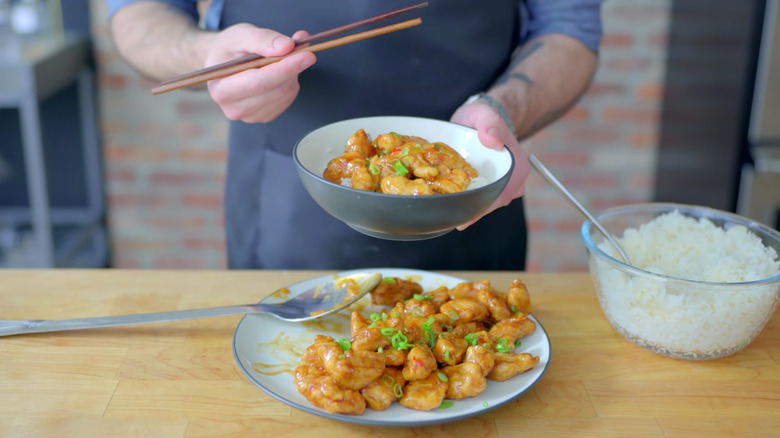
x=425 y=394
x=420 y=307
x=350 y=369
x=464 y=380
x=450 y=180
x=518 y=298
x=323 y=391
x=495 y=304
x=391 y=290
x=382 y=392
x=360 y=143
x=420 y=362
x=386 y=143
x=482 y=356
x=442 y=154
x=512 y=329
x=364 y=336
x=465 y=310
x=400 y=185
x=351 y=166
x=450 y=349
x=509 y=365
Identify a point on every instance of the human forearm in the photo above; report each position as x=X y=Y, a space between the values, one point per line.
x=159 y=40
x=544 y=79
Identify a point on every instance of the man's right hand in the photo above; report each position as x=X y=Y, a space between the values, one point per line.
x=262 y=94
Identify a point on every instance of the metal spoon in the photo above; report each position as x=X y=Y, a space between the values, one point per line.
x=314 y=303
x=557 y=184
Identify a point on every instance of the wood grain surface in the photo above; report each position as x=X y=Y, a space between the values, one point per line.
x=179 y=379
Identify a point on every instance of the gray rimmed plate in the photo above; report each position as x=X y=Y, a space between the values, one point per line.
x=267 y=350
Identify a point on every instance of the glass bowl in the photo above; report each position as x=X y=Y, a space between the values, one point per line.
x=679 y=315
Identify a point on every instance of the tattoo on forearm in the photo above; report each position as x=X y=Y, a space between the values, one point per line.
x=517 y=59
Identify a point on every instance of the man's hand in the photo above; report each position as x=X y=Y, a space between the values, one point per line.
x=493 y=133
x=257 y=95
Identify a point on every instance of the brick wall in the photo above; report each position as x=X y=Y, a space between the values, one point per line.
x=165 y=155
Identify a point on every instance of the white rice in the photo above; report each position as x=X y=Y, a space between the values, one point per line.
x=683 y=320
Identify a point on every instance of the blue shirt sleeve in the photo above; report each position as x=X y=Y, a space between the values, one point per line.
x=190 y=7
x=579 y=19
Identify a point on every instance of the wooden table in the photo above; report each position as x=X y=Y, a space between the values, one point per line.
x=180 y=379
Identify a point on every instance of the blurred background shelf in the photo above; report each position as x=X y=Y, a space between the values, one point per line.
x=52 y=211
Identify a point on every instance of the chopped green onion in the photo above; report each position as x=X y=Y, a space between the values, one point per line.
x=513 y=309
x=518 y=343
x=447 y=356
x=486 y=345
x=428 y=324
x=418 y=145
x=502 y=347
x=400 y=341
x=389 y=280
x=453 y=316
x=387 y=331
x=419 y=297
x=446 y=404
x=380 y=350
x=471 y=338
x=485 y=404
x=388 y=380
x=344 y=344
x=399 y=167
x=405 y=152
x=396 y=314
x=417 y=312
x=374 y=169
x=441 y=376
x=398 y=392
x=342 y=356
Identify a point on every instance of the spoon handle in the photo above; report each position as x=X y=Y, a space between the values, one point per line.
x=561 y=188
x=20 y=326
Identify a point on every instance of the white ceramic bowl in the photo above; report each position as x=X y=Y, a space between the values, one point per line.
x=397 y=217
x=680 y=317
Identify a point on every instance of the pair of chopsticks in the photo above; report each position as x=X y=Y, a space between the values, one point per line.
x=302 y=45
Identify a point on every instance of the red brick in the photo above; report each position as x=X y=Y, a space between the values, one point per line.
x=602 y=89
x=112 y=80
x=658 y=40
x=577 y=113
x=134 y=153
x=124 y=176
x=591 y=181
x=610 y=40
x=115 y=200
x=209 y=201
x=197 y=244
x=176 y=178
x=593 y=135
x=643 y=139
x=617 y=114
x=628 y=64
x=175 y=222
x=203 y=155
x=650 y=91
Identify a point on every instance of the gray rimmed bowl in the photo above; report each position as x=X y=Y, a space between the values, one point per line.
x=396 y=217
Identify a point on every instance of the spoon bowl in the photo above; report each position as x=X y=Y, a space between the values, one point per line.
x=314 y=303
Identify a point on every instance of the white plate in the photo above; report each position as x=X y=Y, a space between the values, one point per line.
x=268 y=350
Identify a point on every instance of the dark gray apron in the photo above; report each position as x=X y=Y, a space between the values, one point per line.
x=428 y=71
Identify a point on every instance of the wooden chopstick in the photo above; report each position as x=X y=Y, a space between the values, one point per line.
x=256 y=61
x=303 y=41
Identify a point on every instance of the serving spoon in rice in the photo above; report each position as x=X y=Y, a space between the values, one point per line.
x=561 y=188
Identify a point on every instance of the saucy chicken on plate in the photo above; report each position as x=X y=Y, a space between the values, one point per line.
x=400 y=165
x=423 y=351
